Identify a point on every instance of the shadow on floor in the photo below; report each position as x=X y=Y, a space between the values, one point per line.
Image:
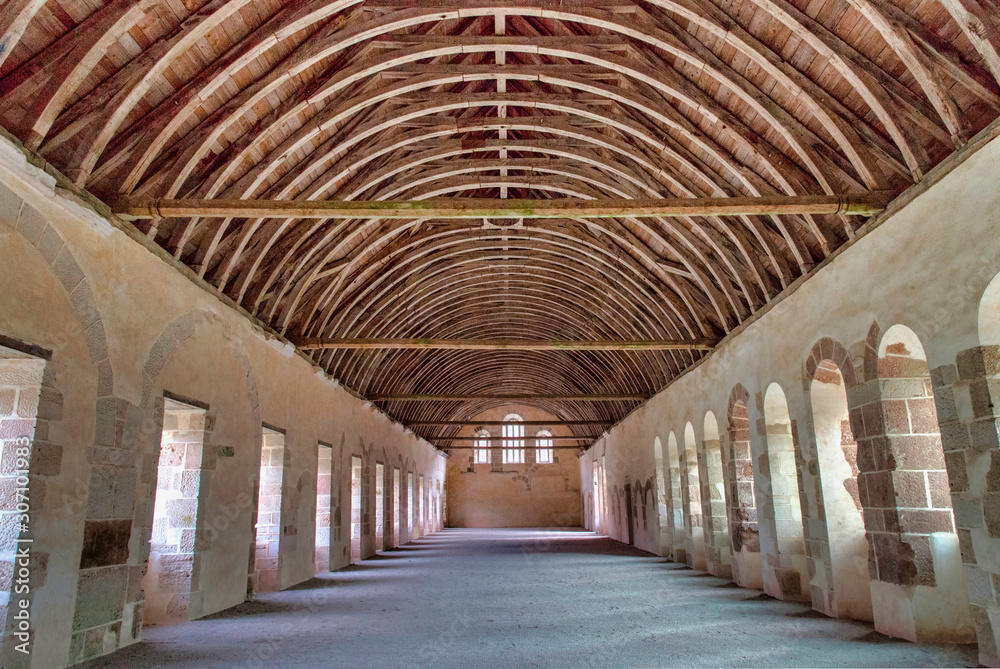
x=256 y=607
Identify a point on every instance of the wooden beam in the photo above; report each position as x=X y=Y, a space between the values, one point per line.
x=324 y=343
x=867 y=204
x=524 y=439
x=474 y=448
x=508 y=398
x=526 y=423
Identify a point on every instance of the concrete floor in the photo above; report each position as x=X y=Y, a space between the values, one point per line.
x=526 y=598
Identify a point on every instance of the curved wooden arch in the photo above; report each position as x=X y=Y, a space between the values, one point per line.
x=380 y=99
x=790 y=240
x=410 y=18
x=595 y=254
x=590 y=56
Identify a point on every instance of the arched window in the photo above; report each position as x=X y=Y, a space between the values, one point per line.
x=482 y=446
x=543 y=448
x=513 y=440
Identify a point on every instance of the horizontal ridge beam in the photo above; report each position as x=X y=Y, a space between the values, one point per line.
x=865 y=204
x=507 y=398
x=324 y=343
x=476 y=448
x=524 y=439
x=528 y=423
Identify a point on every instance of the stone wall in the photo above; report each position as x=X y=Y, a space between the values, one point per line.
x=906 y=320
x=121 y=328
x=498 y=494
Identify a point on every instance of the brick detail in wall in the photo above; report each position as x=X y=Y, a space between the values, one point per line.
x=743 y=514
x=718 y=553
x=274 y=461
x=99 y=630
x=324 y=482
x=967 y=396
x=171 y=584
x=903 y=485
x=27 y=404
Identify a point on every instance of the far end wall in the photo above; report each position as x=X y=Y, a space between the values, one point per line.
x=496 y=494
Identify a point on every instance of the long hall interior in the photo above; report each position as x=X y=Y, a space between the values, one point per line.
x=504 y=332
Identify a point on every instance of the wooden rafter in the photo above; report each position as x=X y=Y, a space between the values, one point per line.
x=602 y=171
x=526 y=423
x=553 y=438
x=507 y=398
x=383 y=344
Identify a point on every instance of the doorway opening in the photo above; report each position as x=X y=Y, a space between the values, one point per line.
x=395 y=506
x=409 y=506
x=170 y=583
x=324 y=483
x=355 y=509
x=379 y=506
x=267 y=558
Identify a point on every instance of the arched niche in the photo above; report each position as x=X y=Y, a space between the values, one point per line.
x=678 y=516
x=786 y=575
x=662 y=498
x=719 y=552
x=692 y=500
x=837 y=452
x=918 y=584
x=989 y=314
x=743 y=522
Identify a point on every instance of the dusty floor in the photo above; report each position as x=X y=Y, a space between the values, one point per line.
x=526 y=598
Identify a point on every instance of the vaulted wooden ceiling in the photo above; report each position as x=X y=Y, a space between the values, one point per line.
x=405 y=100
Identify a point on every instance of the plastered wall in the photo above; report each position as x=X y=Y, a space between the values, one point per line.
x=928 y=266
x=121 y=326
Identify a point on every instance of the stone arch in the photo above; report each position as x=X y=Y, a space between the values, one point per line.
x=648 y=494
x=691 y=497
x=662 y=496
x=979 y=368
x=831 y=350
x=142 y=436
x=713 y=492
x=629 y=495
x=914 y=556
x=677 y=516
x=743 y=524
x=614 y=510
x=564 y=473
x=870 y=360
x=105 y=533
x=988 y=317
x=785 y=575
x=842 y=578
